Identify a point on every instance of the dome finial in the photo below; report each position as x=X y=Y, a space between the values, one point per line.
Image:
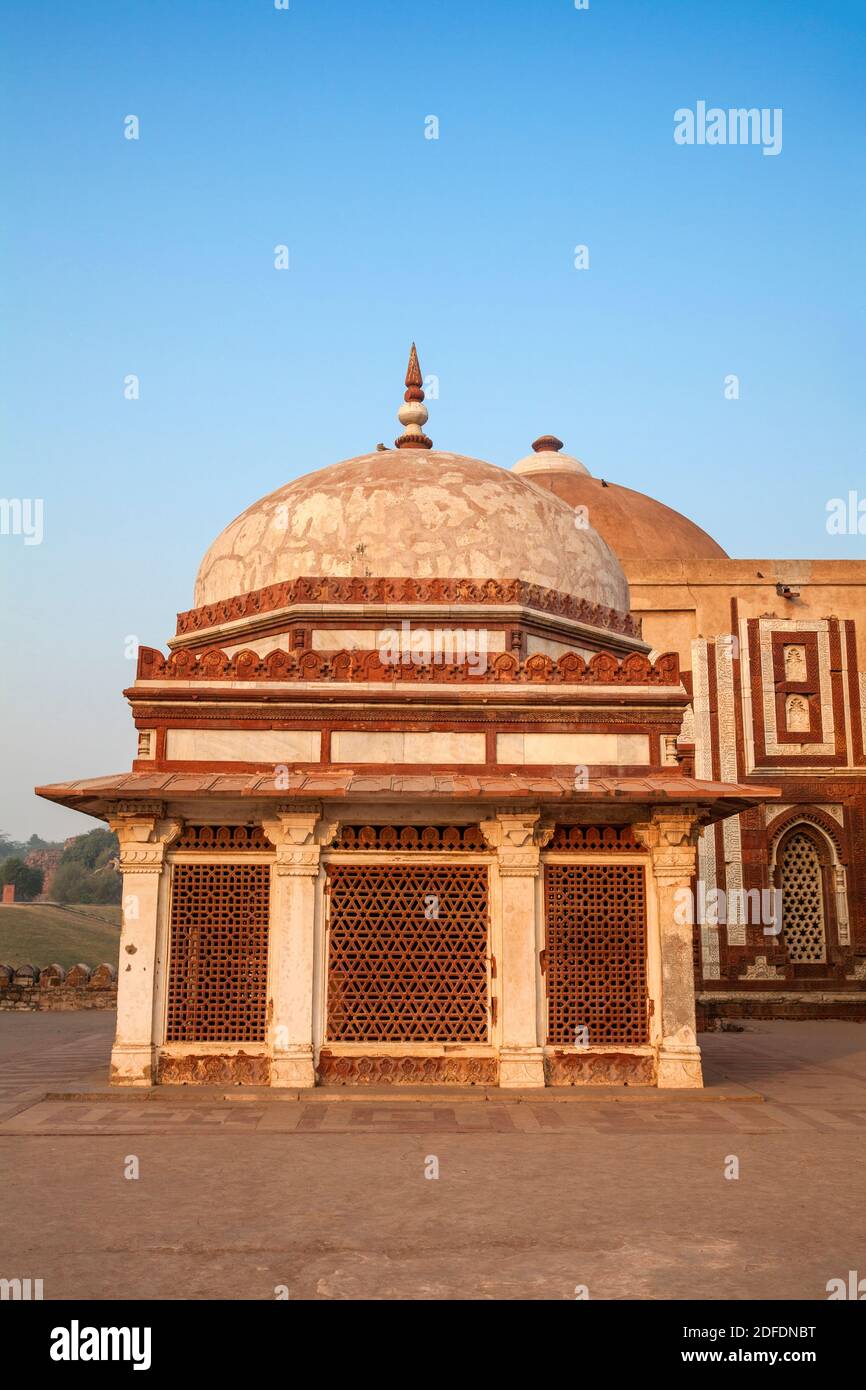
x=413 y=413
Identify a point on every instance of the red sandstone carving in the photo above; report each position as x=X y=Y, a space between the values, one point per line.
x=594 y=837
x=370 y=590
x=223 y=837
x=335 y=1070
x=368 y=666
x=599 y=1069
x=224 y=1069
x=595 y=917
x=445 y=839
x=217 y=979
x=407 y=953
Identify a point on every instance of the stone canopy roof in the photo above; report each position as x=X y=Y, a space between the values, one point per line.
x=95 y=795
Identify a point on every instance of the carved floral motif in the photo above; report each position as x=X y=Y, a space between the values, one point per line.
x=213 y=1069
x=369 y=666
x=336 y=1070
x=370 y=590
x=599 y=1069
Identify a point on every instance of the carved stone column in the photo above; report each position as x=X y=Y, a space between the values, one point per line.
x=671 y=837
x=298 y=836
x=840 y=889
x=517 y=840
x=144 y=834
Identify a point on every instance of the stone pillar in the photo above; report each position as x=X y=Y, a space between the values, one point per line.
x=517 y=840
x=671 y=836
x=144 y=835
x=298 y=836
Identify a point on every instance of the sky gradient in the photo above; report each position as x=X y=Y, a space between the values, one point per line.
x=306 y=127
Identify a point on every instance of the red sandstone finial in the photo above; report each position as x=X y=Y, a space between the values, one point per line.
x=547 y=444
x=413 y=415
x=414 y=379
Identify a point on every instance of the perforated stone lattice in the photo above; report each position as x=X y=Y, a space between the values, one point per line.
x=421 y=839
x=594 y=837
x=407 y=953
x=596 y=953
x=217 y=985
x=803 y=901
x=223 y=837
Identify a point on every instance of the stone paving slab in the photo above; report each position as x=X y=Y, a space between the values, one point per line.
x=404 y=1095
x=328 y=1193
x=53 y=1118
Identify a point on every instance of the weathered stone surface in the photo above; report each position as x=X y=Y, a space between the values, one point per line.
x=51 y=989
x=341 y=520
x=215 y=1069
x=335 y=1070
x=103 y=977
x=599 y=1069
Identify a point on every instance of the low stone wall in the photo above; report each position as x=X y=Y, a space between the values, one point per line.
x=28 y=987
x=714 y=1011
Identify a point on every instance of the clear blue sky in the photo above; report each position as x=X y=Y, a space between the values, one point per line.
x=306 y=127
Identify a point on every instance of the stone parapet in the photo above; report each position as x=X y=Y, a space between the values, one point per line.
x=26 y=987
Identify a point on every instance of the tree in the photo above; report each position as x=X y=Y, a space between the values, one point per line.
x=28 y=881
x=86 y=873
x=10 y=847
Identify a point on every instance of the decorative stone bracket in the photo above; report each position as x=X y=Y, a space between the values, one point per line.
x=144 y=834
x=298 y=837
x=518 y=838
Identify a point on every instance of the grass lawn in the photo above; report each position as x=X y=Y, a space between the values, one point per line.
x=37 y=934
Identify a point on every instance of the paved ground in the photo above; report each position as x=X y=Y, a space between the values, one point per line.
x=328 y=1196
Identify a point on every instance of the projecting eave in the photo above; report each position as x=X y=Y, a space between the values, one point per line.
x=716 y=800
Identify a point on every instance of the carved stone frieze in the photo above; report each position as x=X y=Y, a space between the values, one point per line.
x=335 y=1069
x=372 y=666
x=369 y=589
x=599 y=1069
x=214 y=1069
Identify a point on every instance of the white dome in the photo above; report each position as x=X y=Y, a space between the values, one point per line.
x=411 y=514
x=546 y=457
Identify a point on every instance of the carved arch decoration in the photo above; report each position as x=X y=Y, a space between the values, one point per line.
x=808 y=815
x=824 y=834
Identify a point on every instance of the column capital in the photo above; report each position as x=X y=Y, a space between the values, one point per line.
x=144 y=833
x=518 y=838
x=298 y=836
x=671 y=836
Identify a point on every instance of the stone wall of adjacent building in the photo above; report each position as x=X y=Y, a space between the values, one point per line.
x=28 y=987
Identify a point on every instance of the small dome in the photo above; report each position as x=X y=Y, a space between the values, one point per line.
x=637 y=527
x=411 y=513
x=547 y=458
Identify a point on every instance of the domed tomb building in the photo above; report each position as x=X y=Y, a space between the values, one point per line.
x=409 y=804
x=773 y=656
